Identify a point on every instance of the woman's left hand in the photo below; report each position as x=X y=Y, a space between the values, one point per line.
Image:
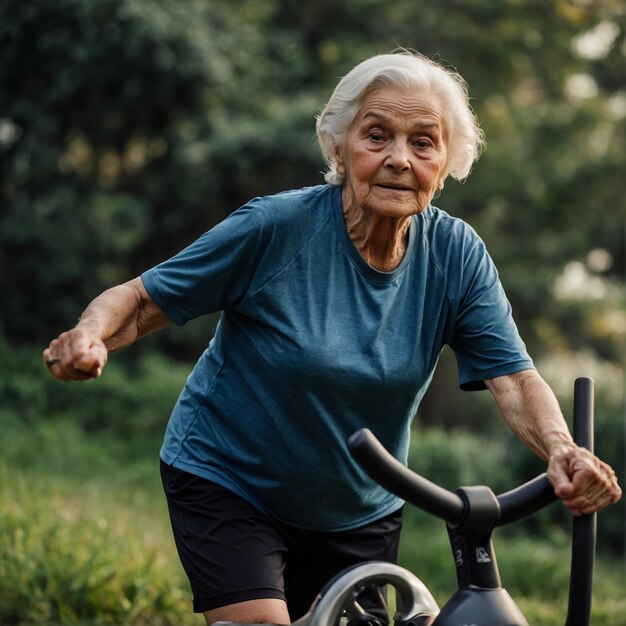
x=584 y=483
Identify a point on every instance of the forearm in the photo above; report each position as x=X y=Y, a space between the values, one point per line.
x=584 y=482
x=114 y=320
x=122 y=315
x=532 y=412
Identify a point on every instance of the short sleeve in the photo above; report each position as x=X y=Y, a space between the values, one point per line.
x=486 y=340
x=213 y=273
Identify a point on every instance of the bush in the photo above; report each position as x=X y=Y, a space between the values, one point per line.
x=131 y=402
x=456 y=458
x=72 y=553
x=459 y=458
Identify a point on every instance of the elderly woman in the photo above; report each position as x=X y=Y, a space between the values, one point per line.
x=336 y=302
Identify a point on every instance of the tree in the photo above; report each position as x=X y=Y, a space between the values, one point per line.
x=128 y=128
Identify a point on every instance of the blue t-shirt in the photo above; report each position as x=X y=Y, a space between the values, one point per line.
x=313 y=344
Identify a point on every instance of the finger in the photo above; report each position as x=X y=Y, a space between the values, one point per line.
x=577 y=504
x=52 y=360
x=559 y=477
x=75 y=355
x=564 y=490
x=583 y=482
x=76 y=344
x=81 y=352
x=595 y=486
x=66 y=374
x=594 y=478
x=91 y=360
x=617 y=491
x=48 y=359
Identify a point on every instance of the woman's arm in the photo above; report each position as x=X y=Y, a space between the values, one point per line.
x=114 y=320
x=584 y=483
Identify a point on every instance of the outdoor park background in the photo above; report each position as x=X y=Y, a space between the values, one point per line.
x=129 y=128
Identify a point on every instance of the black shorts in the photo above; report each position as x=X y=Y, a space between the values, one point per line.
x=231 y=552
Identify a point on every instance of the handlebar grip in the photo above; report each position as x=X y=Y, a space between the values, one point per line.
x=392 y=475
x=515 y=504
x=388 y=472
x=583 y=428
x=583 y=528
x=525 y=500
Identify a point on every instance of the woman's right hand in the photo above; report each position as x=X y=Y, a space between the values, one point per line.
x=76 y=355
x=114 y=320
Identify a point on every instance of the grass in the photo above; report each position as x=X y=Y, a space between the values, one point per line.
x=96 y=550
x=84 y=531
x=76 y=551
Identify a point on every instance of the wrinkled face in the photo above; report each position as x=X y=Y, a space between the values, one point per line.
x=395 y=153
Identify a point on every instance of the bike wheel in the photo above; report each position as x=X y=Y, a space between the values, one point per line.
x=339 y=600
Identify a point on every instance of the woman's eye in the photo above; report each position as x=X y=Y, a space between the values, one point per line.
x=376 y=136
x=423 y=143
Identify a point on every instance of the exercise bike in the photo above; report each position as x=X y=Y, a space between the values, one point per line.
x=471 y=514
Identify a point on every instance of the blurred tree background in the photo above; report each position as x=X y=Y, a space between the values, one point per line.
x=127 y=128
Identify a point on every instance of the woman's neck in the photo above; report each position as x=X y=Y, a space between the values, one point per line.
x=381 y=240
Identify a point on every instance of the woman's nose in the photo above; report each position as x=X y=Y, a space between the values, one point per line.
x=398 y=156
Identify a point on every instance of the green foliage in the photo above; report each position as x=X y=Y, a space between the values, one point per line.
x=66 y=559
x=84 y=536
x=197 y=106
x=129 y=404
x=128 y=128
x=458 y=458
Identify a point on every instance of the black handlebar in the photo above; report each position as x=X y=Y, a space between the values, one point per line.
x=421 y=492
x=446 y=505
x=584 y=528
x=401 y=481
x=513 y=505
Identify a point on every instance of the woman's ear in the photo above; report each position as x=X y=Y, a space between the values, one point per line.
x=339 y=163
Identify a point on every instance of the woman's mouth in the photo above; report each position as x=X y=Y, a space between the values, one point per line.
x=394 y=187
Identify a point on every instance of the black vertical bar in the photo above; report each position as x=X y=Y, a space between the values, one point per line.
x=584 y=528
x=583 y=413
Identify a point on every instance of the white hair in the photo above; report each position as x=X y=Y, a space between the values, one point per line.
x=408 y=70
